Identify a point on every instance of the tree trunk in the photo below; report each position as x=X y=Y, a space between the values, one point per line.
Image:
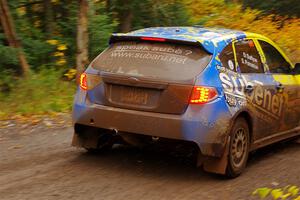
x=126 y=15
x=48 y=18
x=11 y=36
x=126 y=21
x=82 y=37
x=108 y=6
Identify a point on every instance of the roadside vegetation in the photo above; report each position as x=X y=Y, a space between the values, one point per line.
x=46 y=32
x=290 y=192
x=43 y=92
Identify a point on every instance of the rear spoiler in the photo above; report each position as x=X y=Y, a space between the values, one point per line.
x=123 y=37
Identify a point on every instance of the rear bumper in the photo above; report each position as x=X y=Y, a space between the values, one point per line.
x=199 y=124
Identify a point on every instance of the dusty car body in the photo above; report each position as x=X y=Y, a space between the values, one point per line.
x=191 y=84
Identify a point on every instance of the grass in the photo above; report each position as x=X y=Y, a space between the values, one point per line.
x=41 y=93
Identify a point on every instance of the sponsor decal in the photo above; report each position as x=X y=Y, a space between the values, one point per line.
x=149 y=56
x=264 y=99
x=175 y=55
x=249 y=60
x=155 y=49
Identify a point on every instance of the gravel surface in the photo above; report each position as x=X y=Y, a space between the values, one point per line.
x=37 y=162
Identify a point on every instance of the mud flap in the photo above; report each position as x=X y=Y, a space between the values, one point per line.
x=87 y=142
x=75 y=140
x=215 y=165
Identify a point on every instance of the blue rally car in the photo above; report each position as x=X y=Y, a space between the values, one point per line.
x=226 y=92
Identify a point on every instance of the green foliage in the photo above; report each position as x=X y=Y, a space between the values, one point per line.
x=40 y=93
x=149 y=13
x=100 y=28
x=161 y=13
x=8 y=62
x=286 y=7
x=37 y=52
x=8 y=57
x=7 y=81
x=48 y=36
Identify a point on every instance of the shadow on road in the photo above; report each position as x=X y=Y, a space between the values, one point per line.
x=269 y=152
x=138 y=162
x=175 y=164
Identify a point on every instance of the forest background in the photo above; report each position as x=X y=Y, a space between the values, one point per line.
x=43 y=43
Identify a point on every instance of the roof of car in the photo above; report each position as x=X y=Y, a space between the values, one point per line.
x=210 y=38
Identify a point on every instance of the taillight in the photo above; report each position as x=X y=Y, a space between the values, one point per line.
x=202 y=95
x=83 y=81
x=89 y=81
x=153 y=39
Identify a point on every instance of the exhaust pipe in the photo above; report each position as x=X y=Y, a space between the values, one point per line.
x=155 y=138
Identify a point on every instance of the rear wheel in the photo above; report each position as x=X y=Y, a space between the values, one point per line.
x=238 y=148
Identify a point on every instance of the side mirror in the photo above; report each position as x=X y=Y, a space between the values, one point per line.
x=296 y=70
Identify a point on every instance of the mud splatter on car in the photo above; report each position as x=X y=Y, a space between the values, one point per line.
x=229 y=92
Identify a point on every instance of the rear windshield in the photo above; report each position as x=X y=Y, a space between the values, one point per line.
x=153 y=60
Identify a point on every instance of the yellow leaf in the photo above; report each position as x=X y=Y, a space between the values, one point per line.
x=62 y=47
x=52 y=42
x=294 y=190
x=61 y=62
x=71 y=74
x=277 y=193
x=283 y=197
x=21 y=11
x=262 y=192
x=298 y=198
x=58 y=54
x=37 y=23
x=55 y=1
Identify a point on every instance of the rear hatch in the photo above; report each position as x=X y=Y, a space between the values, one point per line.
x=155 y=76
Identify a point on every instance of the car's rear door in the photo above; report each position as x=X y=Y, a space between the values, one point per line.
x=287 y=84
x=259 y=88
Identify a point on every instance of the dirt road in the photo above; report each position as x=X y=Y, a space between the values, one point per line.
x=37 y=162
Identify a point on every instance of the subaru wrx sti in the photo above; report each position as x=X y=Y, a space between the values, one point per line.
x=227 y=92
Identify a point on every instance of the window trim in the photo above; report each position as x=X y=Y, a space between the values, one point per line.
x=234 y=56
x=264 y=60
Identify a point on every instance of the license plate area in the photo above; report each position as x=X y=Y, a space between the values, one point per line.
x=134 y=97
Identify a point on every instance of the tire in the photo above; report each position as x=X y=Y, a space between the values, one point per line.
x=238 y=148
